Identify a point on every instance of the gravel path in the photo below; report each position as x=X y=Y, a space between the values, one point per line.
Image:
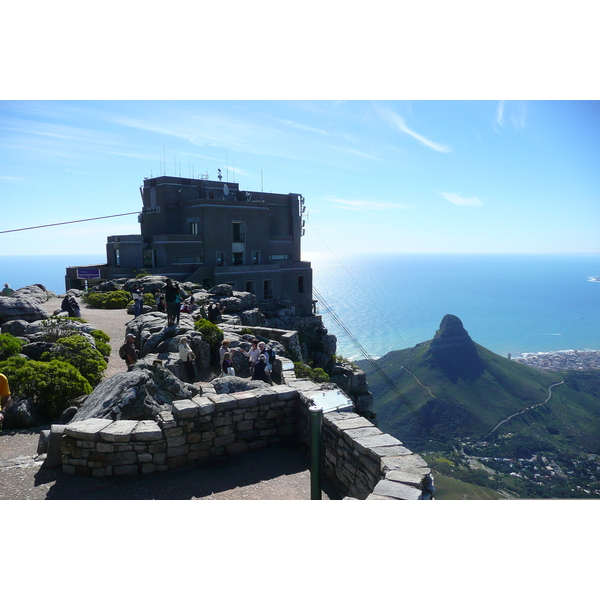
x=275 y=473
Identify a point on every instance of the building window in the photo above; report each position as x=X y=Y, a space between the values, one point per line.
x=149 y=258
x=237 y=258
x=267 y=289
x=301 y=289
x=188 y=260
x=237 y=231
x=279 y=257
x=220 y=259
x=193 y=227
x=255 y=258
x=250 y=287
x=117 y=257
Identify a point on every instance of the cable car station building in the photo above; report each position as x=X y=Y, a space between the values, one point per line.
x=211 y=232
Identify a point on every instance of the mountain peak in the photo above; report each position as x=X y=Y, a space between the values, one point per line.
x=450 y=334
x=455 y=351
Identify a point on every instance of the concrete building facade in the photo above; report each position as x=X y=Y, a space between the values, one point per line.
x=211 y=232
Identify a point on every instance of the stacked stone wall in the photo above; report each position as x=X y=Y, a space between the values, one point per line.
x=361 y=461
x=196 y=430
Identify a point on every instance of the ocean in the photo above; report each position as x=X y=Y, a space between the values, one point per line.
x=507 y=303
x=377 y=303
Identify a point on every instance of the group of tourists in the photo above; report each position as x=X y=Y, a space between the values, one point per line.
x=168 y=299
x=261 y=360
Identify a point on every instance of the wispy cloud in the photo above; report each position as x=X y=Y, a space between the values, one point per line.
x=460 y=201
x=9 y=178
x=512 y=112
x=399 y=123
x=303 y=127
x=368 y=205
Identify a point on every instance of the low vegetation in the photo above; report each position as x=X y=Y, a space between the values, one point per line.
x=51 y=385
x=108 y=300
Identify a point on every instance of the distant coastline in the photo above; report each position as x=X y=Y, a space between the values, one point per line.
x=561 y=360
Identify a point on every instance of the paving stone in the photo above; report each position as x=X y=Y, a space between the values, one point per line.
x=147 y=431
x=184 y=409
x=405 y=477
x=118 y=431
x=410 y=462
x=287 y=392
x=88 y=429
x=396 y=450
x=246 y=399
x=396 y=490
x=373 y=441
x=224 y=402
x=205 y=405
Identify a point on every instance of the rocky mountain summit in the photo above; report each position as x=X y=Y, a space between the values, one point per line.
x=454 y=351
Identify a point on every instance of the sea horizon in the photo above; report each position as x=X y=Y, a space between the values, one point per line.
x=380 y=302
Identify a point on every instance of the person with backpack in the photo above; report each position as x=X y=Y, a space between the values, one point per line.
x=128 y=352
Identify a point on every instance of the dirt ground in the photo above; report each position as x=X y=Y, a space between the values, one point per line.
x=275 y=473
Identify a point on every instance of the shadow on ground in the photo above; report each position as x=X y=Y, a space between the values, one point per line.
x=277 y=472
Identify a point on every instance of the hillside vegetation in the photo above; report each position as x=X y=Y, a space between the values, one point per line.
x=450 y=394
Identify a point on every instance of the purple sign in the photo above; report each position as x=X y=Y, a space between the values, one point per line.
x=88 y=273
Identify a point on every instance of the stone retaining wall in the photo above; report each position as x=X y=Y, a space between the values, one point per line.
x=360 y=460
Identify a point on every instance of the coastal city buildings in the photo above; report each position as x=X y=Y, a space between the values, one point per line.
x=565 y=360
x=211 y=232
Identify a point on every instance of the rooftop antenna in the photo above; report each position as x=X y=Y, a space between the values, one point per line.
x=164 y=160
x=226 y=166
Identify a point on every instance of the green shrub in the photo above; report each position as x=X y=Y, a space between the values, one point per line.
x=212 y=335
x=246 y=331
x=101 y=338
x=51 y=385
x=319 y=376
x=9 y=345
x=210 y=332
x=301 y=370
x=305 y=372
x=77 y=351
x=108 y=300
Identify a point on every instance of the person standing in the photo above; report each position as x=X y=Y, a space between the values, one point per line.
x=128 y=351
x=170 y=298
x=270 y=358
x=5 y=398
x=138 y=299
x=187 y=357
x=260 y=370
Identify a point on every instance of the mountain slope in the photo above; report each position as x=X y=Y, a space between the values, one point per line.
x=451 y=388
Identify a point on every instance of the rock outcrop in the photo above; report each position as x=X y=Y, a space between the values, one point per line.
x=25 y=305
x=141 y=393
x=455 y=351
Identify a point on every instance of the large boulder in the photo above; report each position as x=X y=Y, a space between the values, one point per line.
x=139 y=394
x=21 y=414
x=149 y=283
x=223 y=289
x=34 y=350
x=247 y=299
x=23 y=308
x=231 y=385
x=153 y=335
x=36 y=292
x=16 y=327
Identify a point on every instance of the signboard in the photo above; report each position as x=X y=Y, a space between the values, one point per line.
x=88 y=273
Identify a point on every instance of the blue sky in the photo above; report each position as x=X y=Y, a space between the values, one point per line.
x=378 y=176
